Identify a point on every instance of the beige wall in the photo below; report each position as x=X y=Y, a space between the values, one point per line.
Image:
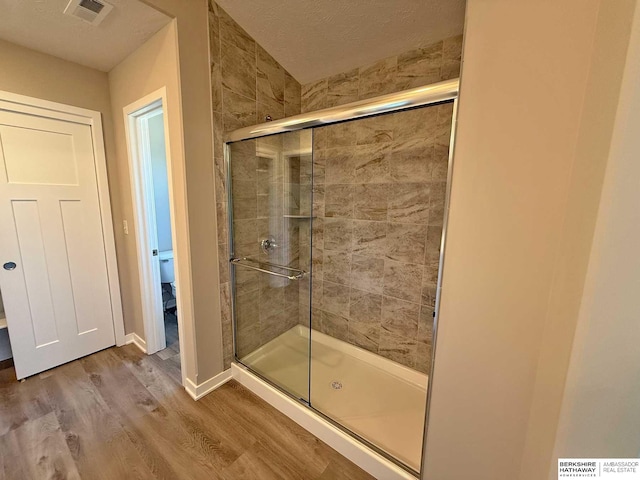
x=38 y=75
x=513 y=276
x=193 y=53
x=152 y=66
x=27 y=72
x=608 y=53
x=600 y=415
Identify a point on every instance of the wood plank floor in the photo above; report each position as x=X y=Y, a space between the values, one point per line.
x=120 y=414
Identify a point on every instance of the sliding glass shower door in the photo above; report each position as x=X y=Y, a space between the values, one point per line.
x=377 y=238
x=336 y=237
x=270 y=198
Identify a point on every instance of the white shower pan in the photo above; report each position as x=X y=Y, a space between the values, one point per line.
x=375 y=398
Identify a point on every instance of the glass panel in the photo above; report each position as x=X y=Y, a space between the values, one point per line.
x=271 y=235
x=377 y=229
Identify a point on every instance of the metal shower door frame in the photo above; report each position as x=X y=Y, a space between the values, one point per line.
x=437 y=93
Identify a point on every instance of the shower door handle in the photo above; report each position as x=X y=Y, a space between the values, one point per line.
x=297 y=275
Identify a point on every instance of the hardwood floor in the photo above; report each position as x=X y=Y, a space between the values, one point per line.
x=120 y=414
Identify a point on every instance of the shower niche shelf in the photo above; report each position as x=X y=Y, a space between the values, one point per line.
x=299 y=217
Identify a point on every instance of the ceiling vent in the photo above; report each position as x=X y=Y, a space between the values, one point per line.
x=90 y=11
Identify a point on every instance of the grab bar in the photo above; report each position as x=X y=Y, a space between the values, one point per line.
x=299 y=273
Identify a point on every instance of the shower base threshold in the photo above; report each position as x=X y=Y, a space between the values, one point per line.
x=379 y=400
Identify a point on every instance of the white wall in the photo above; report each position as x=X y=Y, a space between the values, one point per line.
x=600 y=414
x=160 y=181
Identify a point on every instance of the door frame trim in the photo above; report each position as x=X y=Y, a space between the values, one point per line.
x=59 y=111
x=144 y=217
x=144 y=224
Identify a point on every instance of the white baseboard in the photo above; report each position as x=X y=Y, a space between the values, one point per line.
x=367 y=459
x=208 y=386
x=137 y=340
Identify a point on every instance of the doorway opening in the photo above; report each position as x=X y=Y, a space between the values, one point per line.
x=151 y=182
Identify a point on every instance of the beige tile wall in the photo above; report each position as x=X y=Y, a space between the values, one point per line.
x=266 y=190
x=379 y=191
x=414 y=68
x=378 y=223
x=380 y=183
x=247 y=84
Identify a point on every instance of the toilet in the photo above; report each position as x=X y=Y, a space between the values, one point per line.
x=167 y=275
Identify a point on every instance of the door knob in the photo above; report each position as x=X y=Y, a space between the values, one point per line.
x=9 y=266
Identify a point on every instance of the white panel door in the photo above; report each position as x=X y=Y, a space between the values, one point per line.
x=57 y=296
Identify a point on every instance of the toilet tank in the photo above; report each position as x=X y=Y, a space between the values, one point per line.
x=167 y=274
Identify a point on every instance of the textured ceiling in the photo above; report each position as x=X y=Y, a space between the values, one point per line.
x=41 y=25
x=313 y=39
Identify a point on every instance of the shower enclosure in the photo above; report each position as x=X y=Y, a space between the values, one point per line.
x=336 y=234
